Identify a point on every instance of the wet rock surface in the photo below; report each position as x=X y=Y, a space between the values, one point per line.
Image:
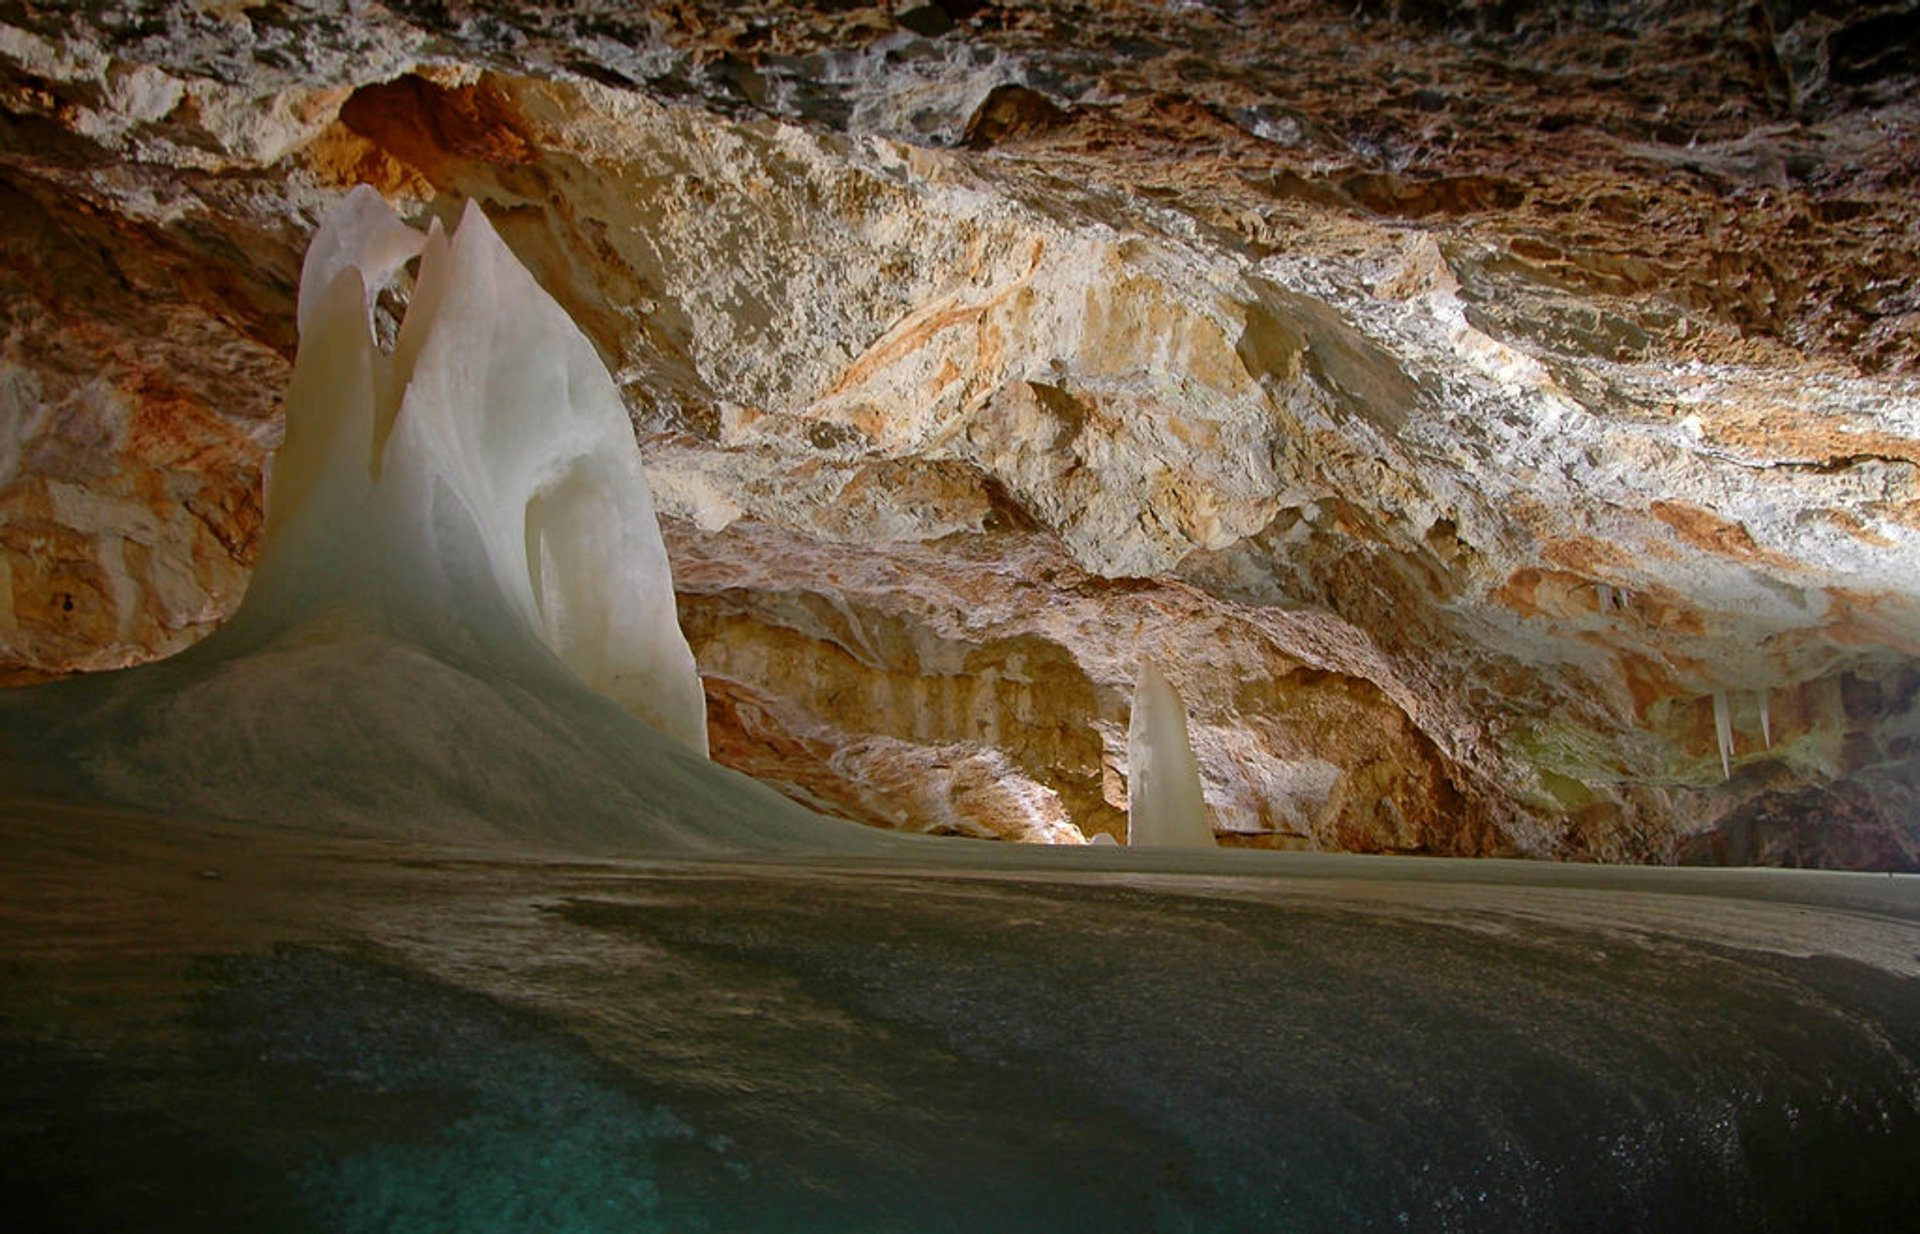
x=1455 y=397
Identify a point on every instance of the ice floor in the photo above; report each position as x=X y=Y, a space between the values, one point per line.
x=209 y=1027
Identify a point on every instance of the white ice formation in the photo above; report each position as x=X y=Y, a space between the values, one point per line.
x=1723 y=729
x=1165 y=807
x=1766 y=720
x=490 y=447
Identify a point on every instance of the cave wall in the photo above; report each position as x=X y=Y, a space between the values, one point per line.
x=1455 y=397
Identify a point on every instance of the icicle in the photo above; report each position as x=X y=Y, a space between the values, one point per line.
x=1723 y=727
x=1605 y=594
x=1766 y=721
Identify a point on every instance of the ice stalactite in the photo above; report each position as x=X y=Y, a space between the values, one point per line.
x=1766 y=719
x=1165 y=807
x=1723 y=729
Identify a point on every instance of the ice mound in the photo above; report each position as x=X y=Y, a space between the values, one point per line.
x=1165 y=808
x=462 y=622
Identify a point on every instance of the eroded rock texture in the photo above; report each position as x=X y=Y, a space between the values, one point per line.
x=1454 y=397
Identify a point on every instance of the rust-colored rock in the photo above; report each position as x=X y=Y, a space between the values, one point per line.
x=1455 y=397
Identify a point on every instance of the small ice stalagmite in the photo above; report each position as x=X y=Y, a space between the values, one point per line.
x=1723 y=729
x=1165 y=807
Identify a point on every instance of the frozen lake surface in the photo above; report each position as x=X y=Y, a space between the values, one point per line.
x=214 y=1027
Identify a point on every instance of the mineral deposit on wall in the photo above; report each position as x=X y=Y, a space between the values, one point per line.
x=1487 y=415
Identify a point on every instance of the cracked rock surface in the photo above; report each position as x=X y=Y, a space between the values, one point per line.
x=1455 y=398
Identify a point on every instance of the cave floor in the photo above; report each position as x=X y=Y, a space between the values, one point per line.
x=207 y=1026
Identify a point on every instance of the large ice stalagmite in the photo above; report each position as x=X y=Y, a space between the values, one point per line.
x=461 y=626
x=494 y=449
x=1165 y=807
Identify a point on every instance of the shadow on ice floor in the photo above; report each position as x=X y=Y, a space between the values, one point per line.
x=215 y=1028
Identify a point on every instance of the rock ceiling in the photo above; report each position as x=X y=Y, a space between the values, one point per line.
x=1471 y=405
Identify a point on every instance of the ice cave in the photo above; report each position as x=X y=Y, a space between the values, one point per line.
x=960 y=617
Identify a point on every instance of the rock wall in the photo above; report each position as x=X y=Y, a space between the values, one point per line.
x=1456 y=398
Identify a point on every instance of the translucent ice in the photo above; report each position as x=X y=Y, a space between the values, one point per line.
x=1723 y=729
x=1766 y=720
x=493 y=444
x=1165 y=807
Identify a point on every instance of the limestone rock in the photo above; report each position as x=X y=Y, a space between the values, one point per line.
x=1467 y=393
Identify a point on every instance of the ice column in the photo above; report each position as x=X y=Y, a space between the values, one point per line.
x=1165 y=808
x=481 y=483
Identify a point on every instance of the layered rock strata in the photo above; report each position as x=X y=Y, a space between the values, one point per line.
x=1456 y=402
